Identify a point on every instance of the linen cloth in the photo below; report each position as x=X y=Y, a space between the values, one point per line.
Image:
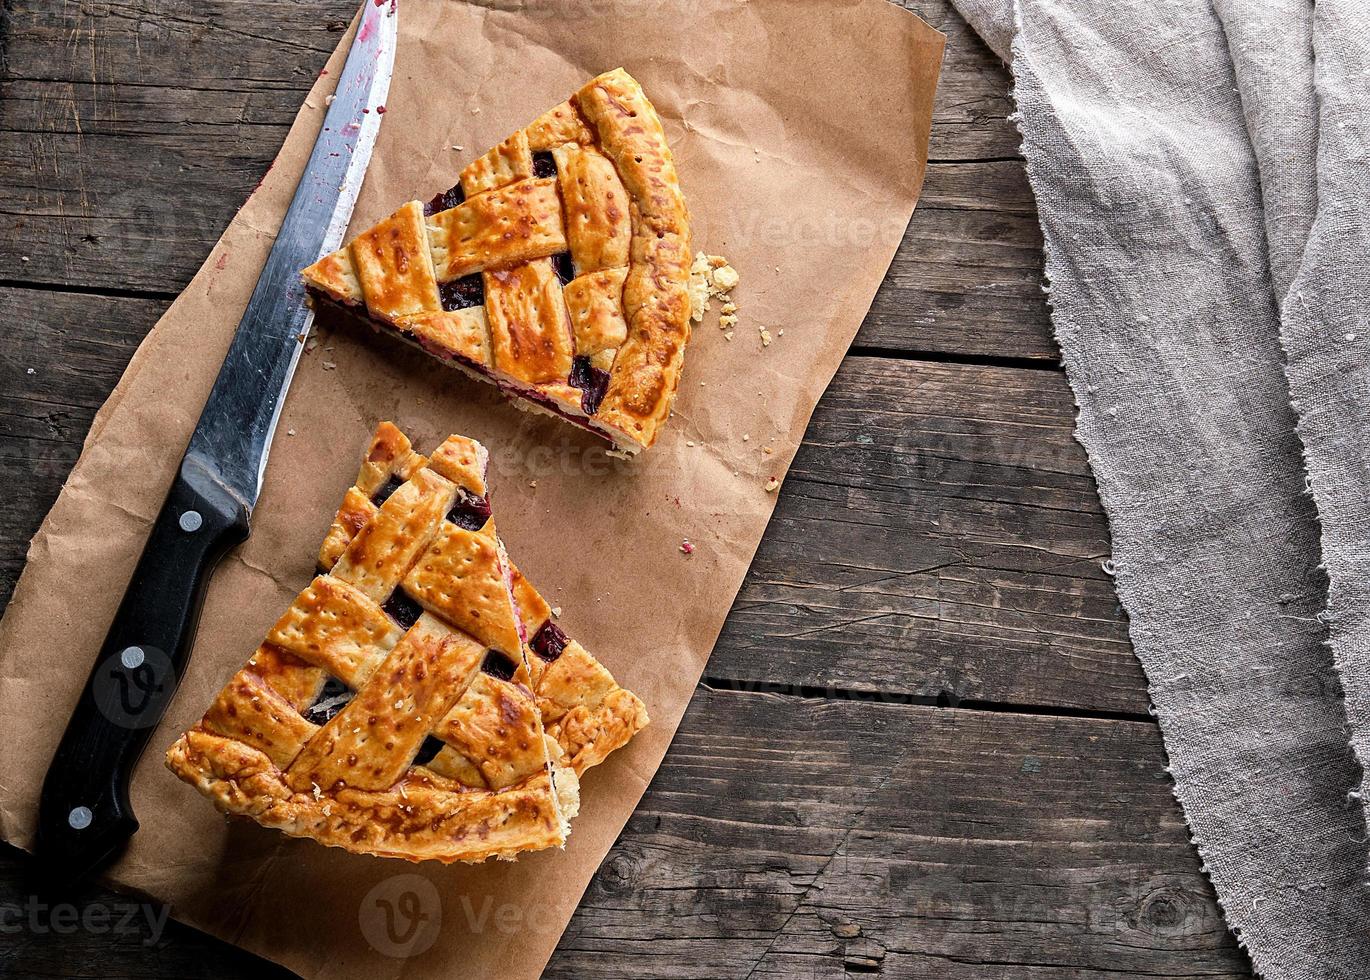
x=1178 y=163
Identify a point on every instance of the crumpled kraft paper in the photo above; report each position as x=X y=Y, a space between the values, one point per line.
x=800 y=131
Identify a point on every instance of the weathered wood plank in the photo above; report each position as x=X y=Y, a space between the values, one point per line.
x=788 y=837
x=195 y=98
x=938 y=536
x=791 y=837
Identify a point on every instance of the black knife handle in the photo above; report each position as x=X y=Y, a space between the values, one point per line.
x=84 y=815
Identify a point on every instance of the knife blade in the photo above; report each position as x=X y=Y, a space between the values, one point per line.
x=84 y=815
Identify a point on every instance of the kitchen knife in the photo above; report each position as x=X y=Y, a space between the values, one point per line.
x=84 y=816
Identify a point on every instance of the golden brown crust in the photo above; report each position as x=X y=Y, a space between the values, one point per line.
x=498 y=229
x=614 y=206
x=507 y=163
x=530 y=334
x=594 y=207
x=595 y=304
x=422 y=818
x=335 y=275
x=395 y=267
x=583 y=708
x=348 y=764
x=461 y=577
x=558 y=125
x=461 y=333
x=655 y=297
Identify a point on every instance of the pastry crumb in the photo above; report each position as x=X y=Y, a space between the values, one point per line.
x=328 y=99
x=31 y=371
x=728 y=335
x=711 y=276
x=318 y=792
x=690 y=442
x=533 y=484
x=767 y=450
x=290 y=432
x=686 y=548
x=765 y=337
x=329 y=365
x=556 y=611
x=746 y=437
x=457 y=148
x=772 y=485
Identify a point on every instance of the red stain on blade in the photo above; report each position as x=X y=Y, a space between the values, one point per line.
x=223 y=261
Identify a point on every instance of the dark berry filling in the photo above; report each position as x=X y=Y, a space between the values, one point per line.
x=544 y=164
x=445 y=201
x=461 y=293
x=470 y=511
x=498 y=665
x=332 y=699
x=402 y=609
x=431 y=746
x=591 y=381
x=565 y=270
x=549 y=641
x=383 y=494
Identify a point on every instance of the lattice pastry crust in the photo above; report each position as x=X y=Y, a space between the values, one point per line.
x=440 y=753
x=558 y=267
x=583 y=708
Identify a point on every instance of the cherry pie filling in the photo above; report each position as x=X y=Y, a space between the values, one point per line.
x=332 y=698
x=499 y=666
x=463 y=293
x=402 y=609
x=471 y=511
x=383 y=494
x=549 y=641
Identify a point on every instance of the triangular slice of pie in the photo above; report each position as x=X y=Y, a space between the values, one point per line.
x=558 y=267
x=390 y=711
x=583 y=708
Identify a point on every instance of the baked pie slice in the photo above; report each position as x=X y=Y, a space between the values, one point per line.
x=583 y=708
x=390 y=711
x=557 y=267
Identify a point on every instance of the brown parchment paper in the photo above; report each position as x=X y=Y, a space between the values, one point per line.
x=800 y=131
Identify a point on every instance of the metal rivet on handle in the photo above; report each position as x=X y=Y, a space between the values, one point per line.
x=191 y=521
x=131 y=657
x=80 y=818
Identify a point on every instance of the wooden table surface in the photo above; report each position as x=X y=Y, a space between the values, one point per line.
x=922 y=747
